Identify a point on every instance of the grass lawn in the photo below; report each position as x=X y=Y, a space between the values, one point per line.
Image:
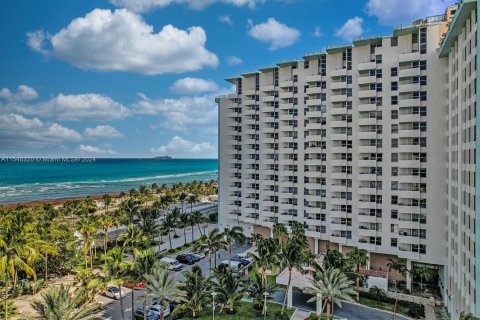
x=244 y=311
x=270 y=278
x=382 y=305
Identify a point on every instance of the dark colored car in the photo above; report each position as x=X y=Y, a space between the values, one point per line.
x=185 y=259
x=172 y=304
x=139 y=313
x=243 y=262
x=194 y=256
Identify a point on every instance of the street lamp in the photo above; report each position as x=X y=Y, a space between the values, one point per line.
x=265 y=294
x=214 y=294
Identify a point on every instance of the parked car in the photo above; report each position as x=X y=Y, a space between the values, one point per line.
x=137 y=285
x=194 y=256
x=139 y=314
x=243 y=262
x=113 y=292
x=173 y=264
x=233 y=264
x=200 y=255
x=172 y=304
x=186 y=259
x=244 y=256
x=156 y=309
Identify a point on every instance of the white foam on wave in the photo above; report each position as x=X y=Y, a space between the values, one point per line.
x=179 y=175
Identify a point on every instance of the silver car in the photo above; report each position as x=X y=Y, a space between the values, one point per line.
x=113 y=292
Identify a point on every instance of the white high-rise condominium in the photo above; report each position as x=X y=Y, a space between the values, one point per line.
x=369 y=145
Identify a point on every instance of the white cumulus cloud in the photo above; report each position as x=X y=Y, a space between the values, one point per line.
x=233 y=60
x=146 y=5
x=396 y=12
x=317 y=33
x=197 y=114
x=277 y=34
x=23 y=93
x=96 y=150
x=19 y=131
x=351 y=29
x=226 y=19
x=102 y=132
x=74 y=107
x=184 y=148
x=193 y=85
x=122 y=41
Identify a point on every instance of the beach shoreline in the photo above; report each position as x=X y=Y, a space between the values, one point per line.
x=58 y=201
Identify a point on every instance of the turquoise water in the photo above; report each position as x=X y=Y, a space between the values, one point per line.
x=39 y=180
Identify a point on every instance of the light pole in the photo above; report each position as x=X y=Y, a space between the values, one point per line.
x=265 y=294
x=214 y=294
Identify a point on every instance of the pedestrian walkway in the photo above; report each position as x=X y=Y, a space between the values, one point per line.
x=300 y=315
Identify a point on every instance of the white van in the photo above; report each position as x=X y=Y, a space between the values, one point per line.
x=173 y=264
x=235 y=265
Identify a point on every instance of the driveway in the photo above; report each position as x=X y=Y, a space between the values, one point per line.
x=349 y=311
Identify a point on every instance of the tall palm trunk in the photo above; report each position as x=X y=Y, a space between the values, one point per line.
x=286 y=293
x=170 y=240
x=193 y=238
x=229 y=255
x=162 y=316
x=133 y=300
x=210 y=262
x=46 y=266
x=144 y=309
x=199 y=229
x=105 y=244
x=6 y=296
x=122 y=310
x=358 y=283
x=185 y=234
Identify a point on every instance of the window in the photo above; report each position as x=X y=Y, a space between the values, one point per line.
x=394 y=72
x=394 y=171
x=394 y=100
x=423 y=65
x=394 y=214
x=394 y=157
x=393 y=242
x=394 y=114
x=394 y=86
x=306 y=65
x=394 y=143
x=393 y=41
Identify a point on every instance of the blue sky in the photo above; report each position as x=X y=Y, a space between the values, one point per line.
x=137 y=78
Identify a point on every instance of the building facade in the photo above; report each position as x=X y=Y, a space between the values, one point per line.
x=370 y=145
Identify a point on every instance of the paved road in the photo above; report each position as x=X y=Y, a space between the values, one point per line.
x=113 y=306
x=349 y=311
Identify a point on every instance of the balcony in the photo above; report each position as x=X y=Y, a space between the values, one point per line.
x=338 y=85
x=313 y=78
x=367 y=135
x=286 y=95
x=338 y=72
x=268 y=99
x=408 y=87
x=367 y=66
x=335 y=111
x=367 y=80
x=367 y=149
x=407 y=57
x=314 y=102
x=408 y=133
x=408 y=72
x=367 y=107
x=368 y=121
x=409 y=148
x=314 y=90
x=367 y=93
x=338 y=98
x=286 y=83
x=408 y=118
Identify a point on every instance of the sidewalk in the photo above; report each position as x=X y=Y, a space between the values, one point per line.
x=180 y=241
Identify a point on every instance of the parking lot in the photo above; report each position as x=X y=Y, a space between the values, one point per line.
x=113 y=306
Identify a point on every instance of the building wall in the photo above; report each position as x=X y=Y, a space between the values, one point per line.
x=371 y=145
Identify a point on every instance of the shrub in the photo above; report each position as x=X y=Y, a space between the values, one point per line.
x=11 y=308
x=171 y=250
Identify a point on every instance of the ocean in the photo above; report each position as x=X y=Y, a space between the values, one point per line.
x=43 y=180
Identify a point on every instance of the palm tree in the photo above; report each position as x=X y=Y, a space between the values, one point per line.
x=87 y=230
x=293 y=256
x=234 y=234
x=357 y=257
x=196 y=289
x=193 y=198
x=167 y=225
x=59 y=304
x=266 y=256
x=107 y=201
x=132 y=237
x=89 y=205
x=144 y=264
x=129 y=207
x=211 y=243
x=182 y=197
x=333 y=259
x=424 y=273
x=162 y=285
x=114 y=270
x=230 y=287
x=184 y=220
x=257 y=289
x=175 y=216
x=280 y=232
x=333 y=286
x=105 y=222
x=191 y=224
x=398 y=265
x=198 y=218
x=378 y=294
x=19 y=248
